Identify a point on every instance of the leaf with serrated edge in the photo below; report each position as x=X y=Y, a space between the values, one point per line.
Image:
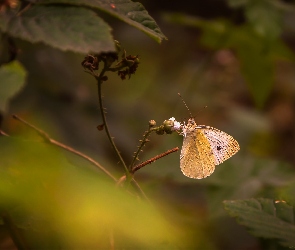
x=265 y=218
x=12 y=79
x=130 y=12
x=66 y=28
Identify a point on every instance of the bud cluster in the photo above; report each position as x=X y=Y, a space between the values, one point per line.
x=130 y=63
x=169 y=126
x=126 y=67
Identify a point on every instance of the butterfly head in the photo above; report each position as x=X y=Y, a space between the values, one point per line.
x=189 y=127
x=191 y=122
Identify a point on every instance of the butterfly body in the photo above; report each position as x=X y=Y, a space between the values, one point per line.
x=203 y=148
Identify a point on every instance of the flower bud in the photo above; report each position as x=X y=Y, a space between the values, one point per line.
x=168 y=126
x=104 y=78
x=152 y=123
x=118 y=45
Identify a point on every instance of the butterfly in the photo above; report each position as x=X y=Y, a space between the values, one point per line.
x=203 y=148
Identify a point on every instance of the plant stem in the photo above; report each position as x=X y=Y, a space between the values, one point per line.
x=145 y=136
x=99 y=83
x=2 y=133
x=139 y=166
x=137 y=186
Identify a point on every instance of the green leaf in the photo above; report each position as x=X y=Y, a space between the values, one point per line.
x=245 y=178
x=66 y=28
x=130 y=12
x=45 y=194
x=265 y=218
x=12 y=80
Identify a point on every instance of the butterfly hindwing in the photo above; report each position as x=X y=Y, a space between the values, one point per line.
x=223 y=145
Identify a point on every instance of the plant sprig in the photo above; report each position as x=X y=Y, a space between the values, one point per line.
x=125 y=67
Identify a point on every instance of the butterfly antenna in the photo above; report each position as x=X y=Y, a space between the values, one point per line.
x=185 y=105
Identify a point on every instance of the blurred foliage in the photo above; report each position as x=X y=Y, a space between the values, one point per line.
x=12 y=77
x=258 y=178
x=236 y=57
x=76 y=207
x=265 y=218
x=256 y=51
x=265 y=17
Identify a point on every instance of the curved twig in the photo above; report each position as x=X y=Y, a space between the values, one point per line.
x=139 y=166
x=48 y=139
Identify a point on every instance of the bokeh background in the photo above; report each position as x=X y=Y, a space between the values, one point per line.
x=60 y=98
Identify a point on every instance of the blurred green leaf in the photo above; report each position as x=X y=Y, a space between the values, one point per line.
x=12 y=80
x=51 y=198
x=65 y=28
x=265 y=218
x=130 y=12
x=249 y=178
x=287 y=193
x=265 y=18
x=256 y=63
x=263 y=15
x=256 y=53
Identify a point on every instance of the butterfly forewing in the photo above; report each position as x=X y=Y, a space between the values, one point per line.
x=196 y=159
